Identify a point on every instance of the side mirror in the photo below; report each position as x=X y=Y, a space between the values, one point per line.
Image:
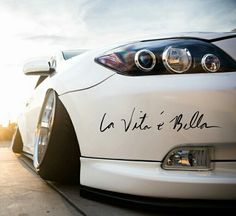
x=38 y=67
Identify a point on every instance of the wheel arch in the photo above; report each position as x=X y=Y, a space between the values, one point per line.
x=16 y=143
x=62 y=142
x=68 y=104
x=66 y=107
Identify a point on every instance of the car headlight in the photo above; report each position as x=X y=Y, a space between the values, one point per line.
x=167 y=56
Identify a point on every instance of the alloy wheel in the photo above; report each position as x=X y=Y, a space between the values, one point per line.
x=44 y=128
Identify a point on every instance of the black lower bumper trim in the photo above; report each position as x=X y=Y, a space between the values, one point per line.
x=151 y=203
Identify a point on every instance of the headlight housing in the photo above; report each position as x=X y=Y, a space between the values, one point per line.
x=167 y=56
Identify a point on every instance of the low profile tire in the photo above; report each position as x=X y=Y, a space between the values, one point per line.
x=56 y=153
x=17 y=144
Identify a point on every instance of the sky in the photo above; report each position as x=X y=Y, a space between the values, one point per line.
x=41 y=27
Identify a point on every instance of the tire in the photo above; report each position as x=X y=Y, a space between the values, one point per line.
x=17 y=144
x=56 y=153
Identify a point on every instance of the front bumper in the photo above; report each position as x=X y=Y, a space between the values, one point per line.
x=148 y=179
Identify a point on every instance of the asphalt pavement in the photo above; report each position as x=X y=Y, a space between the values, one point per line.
x=23 y=193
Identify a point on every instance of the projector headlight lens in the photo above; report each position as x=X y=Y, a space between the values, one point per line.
x=145 y=60
x=210 y=63
x=177 y=60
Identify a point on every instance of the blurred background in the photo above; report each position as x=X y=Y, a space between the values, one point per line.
x=41 y=27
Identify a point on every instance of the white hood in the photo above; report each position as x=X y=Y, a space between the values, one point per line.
x=200 y=35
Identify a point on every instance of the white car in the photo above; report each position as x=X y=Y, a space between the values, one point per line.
x=153 y=118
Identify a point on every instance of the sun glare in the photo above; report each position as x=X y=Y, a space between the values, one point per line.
x=32 y=31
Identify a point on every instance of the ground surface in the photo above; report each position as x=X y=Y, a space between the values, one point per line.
x=23 y=193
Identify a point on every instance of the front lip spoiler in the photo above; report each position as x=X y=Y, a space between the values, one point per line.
x=149 y=203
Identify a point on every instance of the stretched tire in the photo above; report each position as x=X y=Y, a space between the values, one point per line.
x=17 y=144
x=56 y=152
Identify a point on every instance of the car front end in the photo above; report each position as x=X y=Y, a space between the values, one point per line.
x=163 y=122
